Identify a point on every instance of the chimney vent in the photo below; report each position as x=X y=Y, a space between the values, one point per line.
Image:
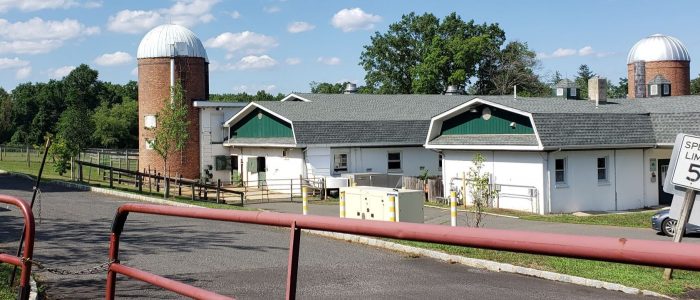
x=350 y=88
x=598 y=90
x=453 y=90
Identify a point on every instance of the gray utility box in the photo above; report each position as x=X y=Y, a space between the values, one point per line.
x=372 y=203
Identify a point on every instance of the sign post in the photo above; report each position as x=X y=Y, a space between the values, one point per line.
x=685 y=162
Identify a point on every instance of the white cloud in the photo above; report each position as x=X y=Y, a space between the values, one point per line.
x=135 y=71
x=297 y=27
x=38 y=29
x=113 y=59
x=566 y=52
x=93 y=4
x=60 y=72
x=34 y=5
x=23 y=72
x=235 y=14
x=271 y=9
x=354 y=19
x=255 y=62
x=250 y=42
x=329 y=60
x=12 y=63
x=293 y=61
x=184 y=12
x=254 y=88
x=29 y=47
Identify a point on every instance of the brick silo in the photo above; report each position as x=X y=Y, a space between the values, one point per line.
x=170 y=54
x=658 y=66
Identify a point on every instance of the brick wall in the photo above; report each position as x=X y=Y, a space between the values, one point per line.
x=154 y=90
x=678 y=72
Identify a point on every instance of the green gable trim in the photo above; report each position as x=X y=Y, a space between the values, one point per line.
x=261 y=124
x=500 y=123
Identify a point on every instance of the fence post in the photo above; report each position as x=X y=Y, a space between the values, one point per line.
x=111 y=176
x=179 y=185
x=453 y=208
x=29 y=160
x=392 y=208
x=80 y=172
x=464 y=189
x=291 y=190
x=341 y=203
x=325 y=191
x=126 y=155
x=157 y=182
x=72 y=168
x=304 y=201
x=218 y=190
x=1 y=153
x=193 y=190
x=139 y=181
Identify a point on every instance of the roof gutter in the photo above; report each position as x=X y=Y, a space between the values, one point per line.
x=597 y=147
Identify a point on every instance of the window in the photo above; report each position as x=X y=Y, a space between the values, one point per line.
x=573 y=92
x=149 y=121
x=440 y=162
x=216 y=122
x=149 y=144
x=666 y=89
x=560 y=92
x=560 y=171
x=234 y=162
x=222 y=162
x=602 y=169
x=394 y=161
x=653 y=90
x=340 y=162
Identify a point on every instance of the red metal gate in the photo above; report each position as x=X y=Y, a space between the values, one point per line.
x=638 y=252
x=25 y=261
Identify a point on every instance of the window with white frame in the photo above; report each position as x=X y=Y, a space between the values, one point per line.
x=149 y=144
x=149 y=121
x=666 y=89
x=560 y=92
x=560 y=170
x=653 y=90
x=340 y=162
x=573 y=92
x=602 y=167
x=394 y=161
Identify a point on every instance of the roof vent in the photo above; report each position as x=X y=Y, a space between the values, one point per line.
x=453 y=90
x=350 y=88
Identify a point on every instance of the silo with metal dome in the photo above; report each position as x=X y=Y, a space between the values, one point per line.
x=167 y=55
x=658 y=66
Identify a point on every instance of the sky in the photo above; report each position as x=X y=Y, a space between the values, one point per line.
x=281 y=46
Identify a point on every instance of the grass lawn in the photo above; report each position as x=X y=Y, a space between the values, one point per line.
x=631 y=219
x=647 y=278
x=7 y=293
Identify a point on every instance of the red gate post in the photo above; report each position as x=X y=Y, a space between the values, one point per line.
x=293 y=266
x=27 y=254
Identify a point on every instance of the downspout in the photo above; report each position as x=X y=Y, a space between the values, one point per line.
x=615 y=174
x=172 y=71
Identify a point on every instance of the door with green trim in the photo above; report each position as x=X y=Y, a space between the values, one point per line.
x=262 y=170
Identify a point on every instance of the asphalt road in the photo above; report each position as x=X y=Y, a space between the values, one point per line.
x=246 y=261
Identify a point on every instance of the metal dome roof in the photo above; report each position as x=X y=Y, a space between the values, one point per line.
x=658 y=47
x=160 y=42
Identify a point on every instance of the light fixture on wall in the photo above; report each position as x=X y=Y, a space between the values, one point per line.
x=473 y=110
x=512 y=125
x=486 y=113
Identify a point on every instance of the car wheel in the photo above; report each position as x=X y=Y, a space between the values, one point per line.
x=668 y=226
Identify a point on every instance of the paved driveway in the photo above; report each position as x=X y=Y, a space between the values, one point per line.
x=243 y=260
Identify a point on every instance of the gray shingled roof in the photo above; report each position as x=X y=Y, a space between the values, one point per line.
x=404 y=119
x=487 y=139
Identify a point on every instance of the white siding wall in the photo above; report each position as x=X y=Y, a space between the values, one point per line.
x=210 y=117
x=651 y=189
x=279 y=169
x=514 y=171
x=318 y=161
x=583 y=191
x=375 y=160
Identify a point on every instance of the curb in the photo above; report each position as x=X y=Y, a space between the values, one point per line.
x=486 y=264
x=121 y=194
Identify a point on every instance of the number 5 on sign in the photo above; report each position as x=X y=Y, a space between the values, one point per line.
x=687 y=169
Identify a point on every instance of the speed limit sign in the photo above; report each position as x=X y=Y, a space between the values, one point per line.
x=686 y=172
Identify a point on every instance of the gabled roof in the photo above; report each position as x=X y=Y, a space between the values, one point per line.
x=563 y=123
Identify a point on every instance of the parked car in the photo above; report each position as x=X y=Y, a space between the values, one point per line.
x=663 y=223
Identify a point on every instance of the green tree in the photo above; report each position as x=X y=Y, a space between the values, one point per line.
x=6 y=124
x=619 y=90
x=515 y=65
x=170 y=133
x=245 y=97
x=556 y=77
x=116 y=126
x=480 y=190
x=327 y=88
x=695 y=86
x=422 y=54
x=82 y=87
x=74 y=131
x=584 y=73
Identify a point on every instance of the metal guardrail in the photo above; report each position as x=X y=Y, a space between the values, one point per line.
x=621 y=250
x=25 y=260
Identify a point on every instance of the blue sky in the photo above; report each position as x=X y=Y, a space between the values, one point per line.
x=281 y=46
